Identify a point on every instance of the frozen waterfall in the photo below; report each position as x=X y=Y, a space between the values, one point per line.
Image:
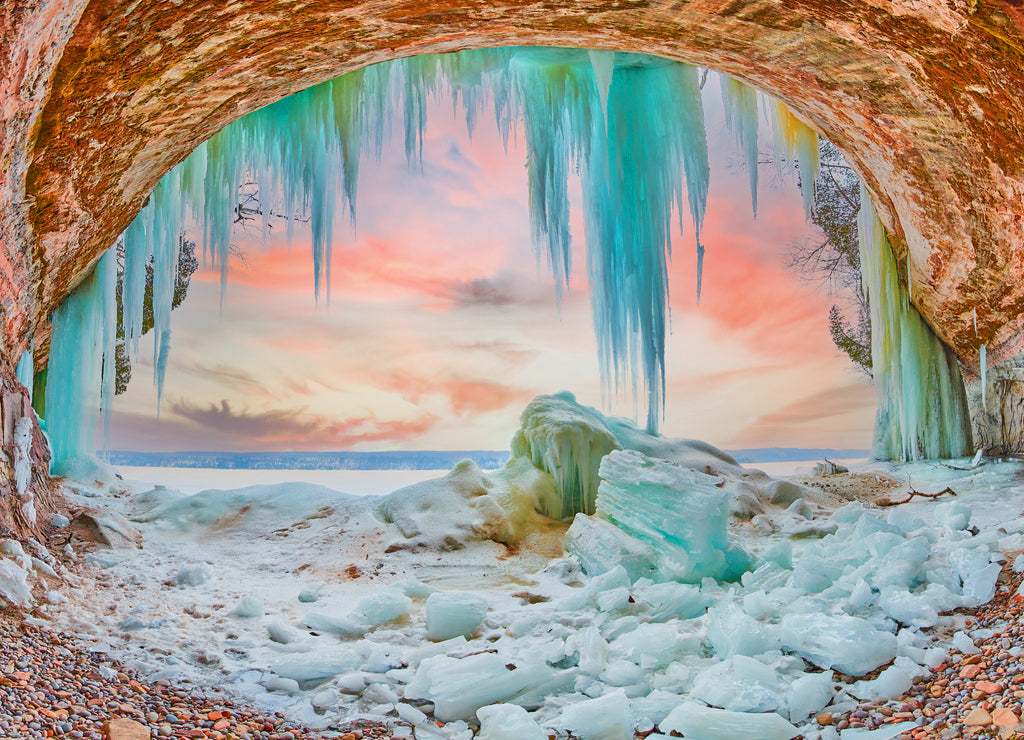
x=922 y=407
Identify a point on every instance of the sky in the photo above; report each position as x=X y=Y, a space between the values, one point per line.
x=443 y=322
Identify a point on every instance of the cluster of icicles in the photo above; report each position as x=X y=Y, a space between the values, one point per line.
x=631 y=126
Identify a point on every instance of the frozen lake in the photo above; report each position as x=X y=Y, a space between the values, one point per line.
x=356 y=482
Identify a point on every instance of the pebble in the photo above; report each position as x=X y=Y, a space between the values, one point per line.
x=52 y=687
x=975 y=695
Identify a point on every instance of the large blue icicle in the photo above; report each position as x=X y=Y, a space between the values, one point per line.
x=74 y=367
x=629 y=197
x=922 y=407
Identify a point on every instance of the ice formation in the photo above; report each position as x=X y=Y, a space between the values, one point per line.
x=922 y=407
x=669 y=523
x=632 y=127
x=25 y=371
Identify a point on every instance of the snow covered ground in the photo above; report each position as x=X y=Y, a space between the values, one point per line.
x=356 y=482
x=452 y=600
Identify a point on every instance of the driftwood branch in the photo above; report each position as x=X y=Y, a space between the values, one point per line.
x=911 y=493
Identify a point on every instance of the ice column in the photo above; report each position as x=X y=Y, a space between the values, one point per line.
x=75 y=366
x=922 y=407
x=26 y=369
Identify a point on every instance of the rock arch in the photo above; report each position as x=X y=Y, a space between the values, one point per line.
x=926 y=97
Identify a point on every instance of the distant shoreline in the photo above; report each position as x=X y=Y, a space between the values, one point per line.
x=406 y=459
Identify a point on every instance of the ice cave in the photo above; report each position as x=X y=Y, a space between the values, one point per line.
x=603 y=576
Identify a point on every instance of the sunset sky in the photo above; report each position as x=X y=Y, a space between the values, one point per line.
x=443 y=323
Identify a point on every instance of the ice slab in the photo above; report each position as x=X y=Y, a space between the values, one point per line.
x=508 y=722
x=605 y=718
x=678 y=515
x=458 y=687
x=848 y=644
x=809 y=694
x=740 y=684
x=697 y=722
x=453 y=613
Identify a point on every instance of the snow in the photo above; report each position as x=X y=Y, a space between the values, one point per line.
x=399 y=631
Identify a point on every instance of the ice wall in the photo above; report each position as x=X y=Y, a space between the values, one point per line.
x=922 y=407
x=75 y=366
x=631 y=127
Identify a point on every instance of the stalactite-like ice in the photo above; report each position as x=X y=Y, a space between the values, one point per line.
x=632 y=128
x=74 y=368
x=25 y=371
x=983 y=365
x=922 y=408
x=740 y=103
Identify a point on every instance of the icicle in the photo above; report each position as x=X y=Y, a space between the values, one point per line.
x=796 y=142
x=26 y=368
x=108 y=322
x=983 y=364
x=137 y=252
x=922 y=408
x=603 y=63
x=74 y=368
x=23 y=461
x=910 y=286
x=23 y=466
x=625 y=123
x=974 y=314
x=741 y=116
x=809 y=162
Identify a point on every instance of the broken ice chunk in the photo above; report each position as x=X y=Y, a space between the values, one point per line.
x=14 y=585
x=458 y=687
x=809 y=694
x=194 y=575
x=655 y=645
x=740 y=684
x=311 y=593
x=385 y=605
x=592 y=649
x=891 y=682
x=342 y=626
x=508 y=722
x=732 y=632
x=605 y=718
x=962 y=642
x=697 y=722
x=454 y=613
x=672 y=600
x=953 y=514
x=249 y=608
x=678 y=515
x=846 y=643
